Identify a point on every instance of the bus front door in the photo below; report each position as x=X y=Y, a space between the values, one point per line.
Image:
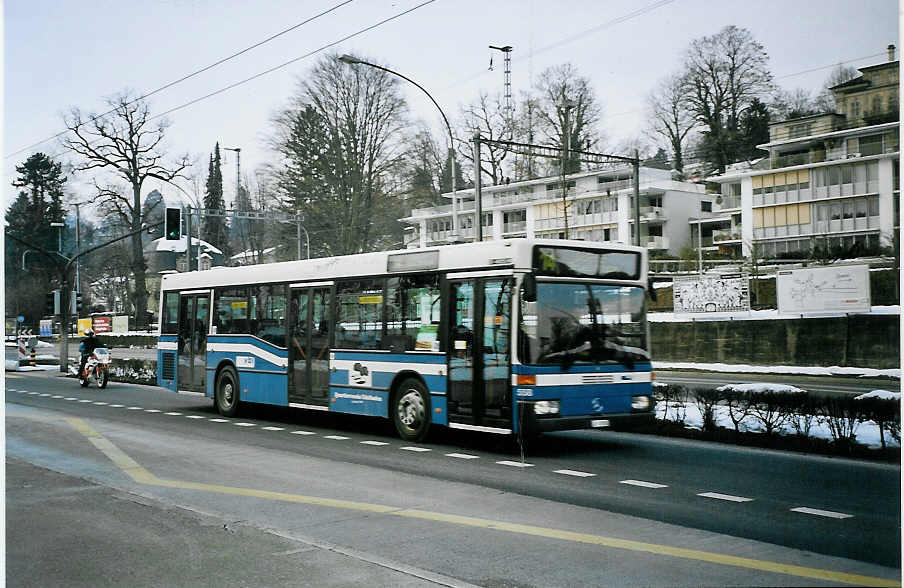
x=479 y=353
x=194 y=315
x=309 y=346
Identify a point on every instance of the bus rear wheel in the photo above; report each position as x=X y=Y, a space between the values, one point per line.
x=411 y=410
x=226 y=395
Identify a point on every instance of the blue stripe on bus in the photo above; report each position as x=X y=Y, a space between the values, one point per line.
x=581 y=369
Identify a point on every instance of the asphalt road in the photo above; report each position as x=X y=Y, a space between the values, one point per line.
x=826 y=514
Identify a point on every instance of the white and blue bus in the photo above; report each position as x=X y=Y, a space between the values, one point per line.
x=515 y=336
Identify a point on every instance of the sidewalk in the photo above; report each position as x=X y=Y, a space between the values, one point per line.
x=68 y=531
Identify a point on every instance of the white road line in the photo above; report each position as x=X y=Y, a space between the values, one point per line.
x=45 y=395
x=336 y=437
x=643 y=484
x=303 y=433
x=174 y=413
x=219 y=420
x=575 y=473
x=374 y=443
x=416 y=449
x=100 y=403
x=152 y=410
x=57 y=396
x=246 y=424
x=135 y=408
x=273 y=428
x=462 y=456
x=727 y=497
x=194 y=416
x=33 y=393
x=70 y=398
x=821 y=513
x=515 y=464
x=113 y=405
x=83 y=400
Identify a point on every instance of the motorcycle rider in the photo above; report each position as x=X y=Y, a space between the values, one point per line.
x=86 y=348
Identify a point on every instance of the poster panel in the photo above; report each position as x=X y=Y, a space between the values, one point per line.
x=103 y=324
x=83 y=325
x=842 y=288
x=120 y=324
x=708 y=294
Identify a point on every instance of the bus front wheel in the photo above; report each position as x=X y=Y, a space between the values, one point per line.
x=227 y=392
x=411 y=410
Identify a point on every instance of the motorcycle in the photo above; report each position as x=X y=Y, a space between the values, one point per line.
x=96 y=368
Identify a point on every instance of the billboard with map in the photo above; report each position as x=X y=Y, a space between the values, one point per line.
x=842 y=288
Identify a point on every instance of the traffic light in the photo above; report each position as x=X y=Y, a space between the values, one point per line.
x=172 y=227
x=52 y=305
x=76 y=304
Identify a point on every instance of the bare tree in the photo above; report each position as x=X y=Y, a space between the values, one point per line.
x=725 y=72
x=567 y=107
x=129 y=144
x=486 y=115
x=787 y=104
x=340 y=141
x=669 y=117
x=825 y=100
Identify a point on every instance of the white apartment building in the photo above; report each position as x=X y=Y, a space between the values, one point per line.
x=600 y=207
x=827 y=180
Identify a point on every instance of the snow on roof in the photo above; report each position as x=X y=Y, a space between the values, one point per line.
x=178 y=245
x=252 y=254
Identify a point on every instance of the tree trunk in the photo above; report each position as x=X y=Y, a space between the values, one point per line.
x=138 y=264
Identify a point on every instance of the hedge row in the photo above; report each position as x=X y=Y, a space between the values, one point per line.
x=774 y=408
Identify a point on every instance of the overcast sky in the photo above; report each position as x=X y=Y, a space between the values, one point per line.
x=60 y=54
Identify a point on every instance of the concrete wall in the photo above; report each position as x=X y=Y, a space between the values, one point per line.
x=870 y=341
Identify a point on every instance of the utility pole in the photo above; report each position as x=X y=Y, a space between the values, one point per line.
x=566 y=135
x=509 y=107
x=636 y=165
x=478 y=196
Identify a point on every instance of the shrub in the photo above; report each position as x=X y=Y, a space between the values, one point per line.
x=706 y=400
x=842 y=414
x=883 y=408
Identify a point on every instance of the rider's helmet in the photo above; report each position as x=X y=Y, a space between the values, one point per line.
x=89 y=332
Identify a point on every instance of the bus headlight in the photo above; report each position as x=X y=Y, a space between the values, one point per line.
x=546 y=407
x=640 y=403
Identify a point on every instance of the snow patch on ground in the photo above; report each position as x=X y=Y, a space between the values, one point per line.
x=740 y=368
x=880 y=394
x=761 y=387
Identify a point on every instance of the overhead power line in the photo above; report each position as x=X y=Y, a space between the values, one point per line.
x=193 y=74
x=275 y=68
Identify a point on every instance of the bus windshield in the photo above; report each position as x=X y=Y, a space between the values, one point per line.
x=584 y=323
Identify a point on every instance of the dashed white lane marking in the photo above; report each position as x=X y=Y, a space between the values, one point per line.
x=246 y=424
x=194 y=416
x=416 y=449
x=45 y=395
x=57 y=396
x=375 y=443
x=303 y=433
x=727 y=497
x=174 y=413
x=33 y=393
x=70 y=398
x=643 y=484
x=152 y=410
x=101 y=404
x=336 y=437
x=462 y=456
x=117 y=405
x=83 y=400
x=515 y=464
x=135 y=408
x=219 y=420
x=574 y=473
x=273 y=428
x=821 y=513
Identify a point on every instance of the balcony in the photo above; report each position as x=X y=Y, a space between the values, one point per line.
x=729 y=202
x=657 y=243
x=726 y=235
x=652 y=213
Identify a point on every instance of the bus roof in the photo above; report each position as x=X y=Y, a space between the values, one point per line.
x=505 y=253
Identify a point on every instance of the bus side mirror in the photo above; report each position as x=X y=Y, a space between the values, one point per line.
x=529 y=288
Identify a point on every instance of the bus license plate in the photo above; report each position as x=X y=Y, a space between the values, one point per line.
x=596 y=423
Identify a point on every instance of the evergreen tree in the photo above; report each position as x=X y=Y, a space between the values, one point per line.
x=214 y=227
x=754 y=130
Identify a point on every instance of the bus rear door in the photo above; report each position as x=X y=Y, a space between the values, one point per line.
x=194 y=317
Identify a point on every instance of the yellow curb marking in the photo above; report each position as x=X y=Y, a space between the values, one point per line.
x=142 y=476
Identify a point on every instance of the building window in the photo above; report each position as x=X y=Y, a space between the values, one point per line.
x=706 y=206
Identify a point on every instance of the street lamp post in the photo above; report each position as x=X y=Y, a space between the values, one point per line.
x=351 y=60
x=60 y=232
